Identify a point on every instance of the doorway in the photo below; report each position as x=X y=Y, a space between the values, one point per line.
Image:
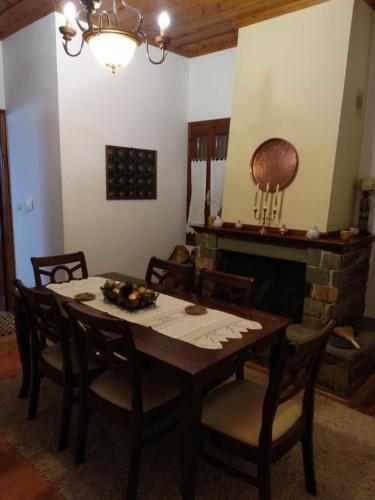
x=7 y=268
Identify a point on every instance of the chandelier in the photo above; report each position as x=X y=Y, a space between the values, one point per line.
x=111 y=46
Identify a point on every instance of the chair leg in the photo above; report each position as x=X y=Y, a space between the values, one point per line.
x=240 y=372
x=308 y=460
x=83 y=422
x=34 y=395
x=134 y=461
x=65 y=418
x=264 y=477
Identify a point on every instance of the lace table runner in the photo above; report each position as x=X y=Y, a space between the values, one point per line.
x=168 y=317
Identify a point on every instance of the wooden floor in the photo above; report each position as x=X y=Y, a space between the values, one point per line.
x=20 y=481
x=18 y=478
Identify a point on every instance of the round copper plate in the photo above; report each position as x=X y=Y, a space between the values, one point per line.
x=274 y=162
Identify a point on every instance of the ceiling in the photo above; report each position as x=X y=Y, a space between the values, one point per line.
x=198 y=26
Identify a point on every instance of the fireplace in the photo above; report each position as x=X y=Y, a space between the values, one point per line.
x=325 y=277
x=279 y=284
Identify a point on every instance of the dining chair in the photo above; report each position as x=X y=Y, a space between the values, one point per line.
x=52 y=355
x=169 y=274
x=124 y=392
x=260 y=424
x=66 y=265
x=225 y=286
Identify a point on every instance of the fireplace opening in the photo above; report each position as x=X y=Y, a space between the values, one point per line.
x=280 y=284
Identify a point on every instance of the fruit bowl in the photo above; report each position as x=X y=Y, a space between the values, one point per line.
x=128 y=295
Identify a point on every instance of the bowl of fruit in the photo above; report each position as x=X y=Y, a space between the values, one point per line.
x=128 y=295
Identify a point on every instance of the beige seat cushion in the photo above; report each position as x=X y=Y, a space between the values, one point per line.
x=157 y=388
x=235 y=409
x=53 y=356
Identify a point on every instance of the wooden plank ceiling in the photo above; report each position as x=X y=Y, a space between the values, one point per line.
x=198 y=26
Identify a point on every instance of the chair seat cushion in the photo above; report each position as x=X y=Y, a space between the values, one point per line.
x=53 y=356
x=235 y=409
x=157 y=389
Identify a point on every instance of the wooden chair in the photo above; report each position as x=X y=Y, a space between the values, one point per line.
x=123 y=391
x=261 y=424
x=169 y=274
x=68 y=264
x=46 y=323
x=225 y=286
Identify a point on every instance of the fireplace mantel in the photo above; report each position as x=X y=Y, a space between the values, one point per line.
x=294 y=237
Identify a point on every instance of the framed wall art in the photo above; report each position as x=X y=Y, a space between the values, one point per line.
x=131 y=173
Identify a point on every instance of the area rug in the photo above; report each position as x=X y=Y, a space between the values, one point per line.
x=344 y=450
x=6 y=323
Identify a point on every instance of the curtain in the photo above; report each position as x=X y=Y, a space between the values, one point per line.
x=217 y=186
x=198 y=194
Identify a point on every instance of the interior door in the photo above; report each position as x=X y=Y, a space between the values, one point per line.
x=7 y=273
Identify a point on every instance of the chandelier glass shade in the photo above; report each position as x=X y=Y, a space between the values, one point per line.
x=110 y=45
x=112 y=48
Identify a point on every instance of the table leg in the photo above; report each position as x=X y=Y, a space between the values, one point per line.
x=190 y=418
x=23 y=342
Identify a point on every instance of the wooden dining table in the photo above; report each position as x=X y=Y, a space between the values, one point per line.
x=196 y=368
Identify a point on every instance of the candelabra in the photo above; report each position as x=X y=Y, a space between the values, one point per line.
x=266 y=206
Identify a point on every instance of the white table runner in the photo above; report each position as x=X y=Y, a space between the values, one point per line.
x=168 y=317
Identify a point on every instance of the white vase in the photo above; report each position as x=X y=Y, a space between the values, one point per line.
x=217 y=222
x=313 y=233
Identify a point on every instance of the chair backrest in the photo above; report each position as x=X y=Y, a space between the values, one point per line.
x=225 y=286
x=66 y=264
x=295 y=372
x=169 y=274
x=45 y=321
x=106 y=341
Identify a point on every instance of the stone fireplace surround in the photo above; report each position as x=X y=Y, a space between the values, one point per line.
x=336 y=271
x=336 y=277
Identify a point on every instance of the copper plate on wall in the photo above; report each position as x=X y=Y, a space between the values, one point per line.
x=274 y=162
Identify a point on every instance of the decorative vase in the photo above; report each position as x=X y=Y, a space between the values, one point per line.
x=217 y=222
x=313 y=233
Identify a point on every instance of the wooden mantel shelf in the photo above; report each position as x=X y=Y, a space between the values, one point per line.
x=294 y=237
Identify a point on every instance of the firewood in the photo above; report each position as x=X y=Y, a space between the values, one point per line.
x=347 y=333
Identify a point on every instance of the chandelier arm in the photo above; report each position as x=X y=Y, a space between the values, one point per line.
x=114 y=10
x=82 y=28
x=105 y=14
x=164 y=55
x=134 y=9
x=65 y=45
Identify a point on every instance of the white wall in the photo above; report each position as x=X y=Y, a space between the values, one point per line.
x=33 y=137
x=2 y=95
x=211 y=82
x=144 y=106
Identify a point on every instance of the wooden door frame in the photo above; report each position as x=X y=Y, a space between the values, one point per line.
x=208 y=128
x=6 y=227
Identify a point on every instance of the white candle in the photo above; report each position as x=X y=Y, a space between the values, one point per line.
x=269 y=204
x=276 y=197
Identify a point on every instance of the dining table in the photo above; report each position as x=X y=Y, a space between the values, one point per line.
x=196 y=368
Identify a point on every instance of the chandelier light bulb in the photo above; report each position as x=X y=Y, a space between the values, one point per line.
x=70 y=11
x=164 y=21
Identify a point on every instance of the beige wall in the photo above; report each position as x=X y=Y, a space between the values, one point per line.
x=348 y=154
x=289 y=83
